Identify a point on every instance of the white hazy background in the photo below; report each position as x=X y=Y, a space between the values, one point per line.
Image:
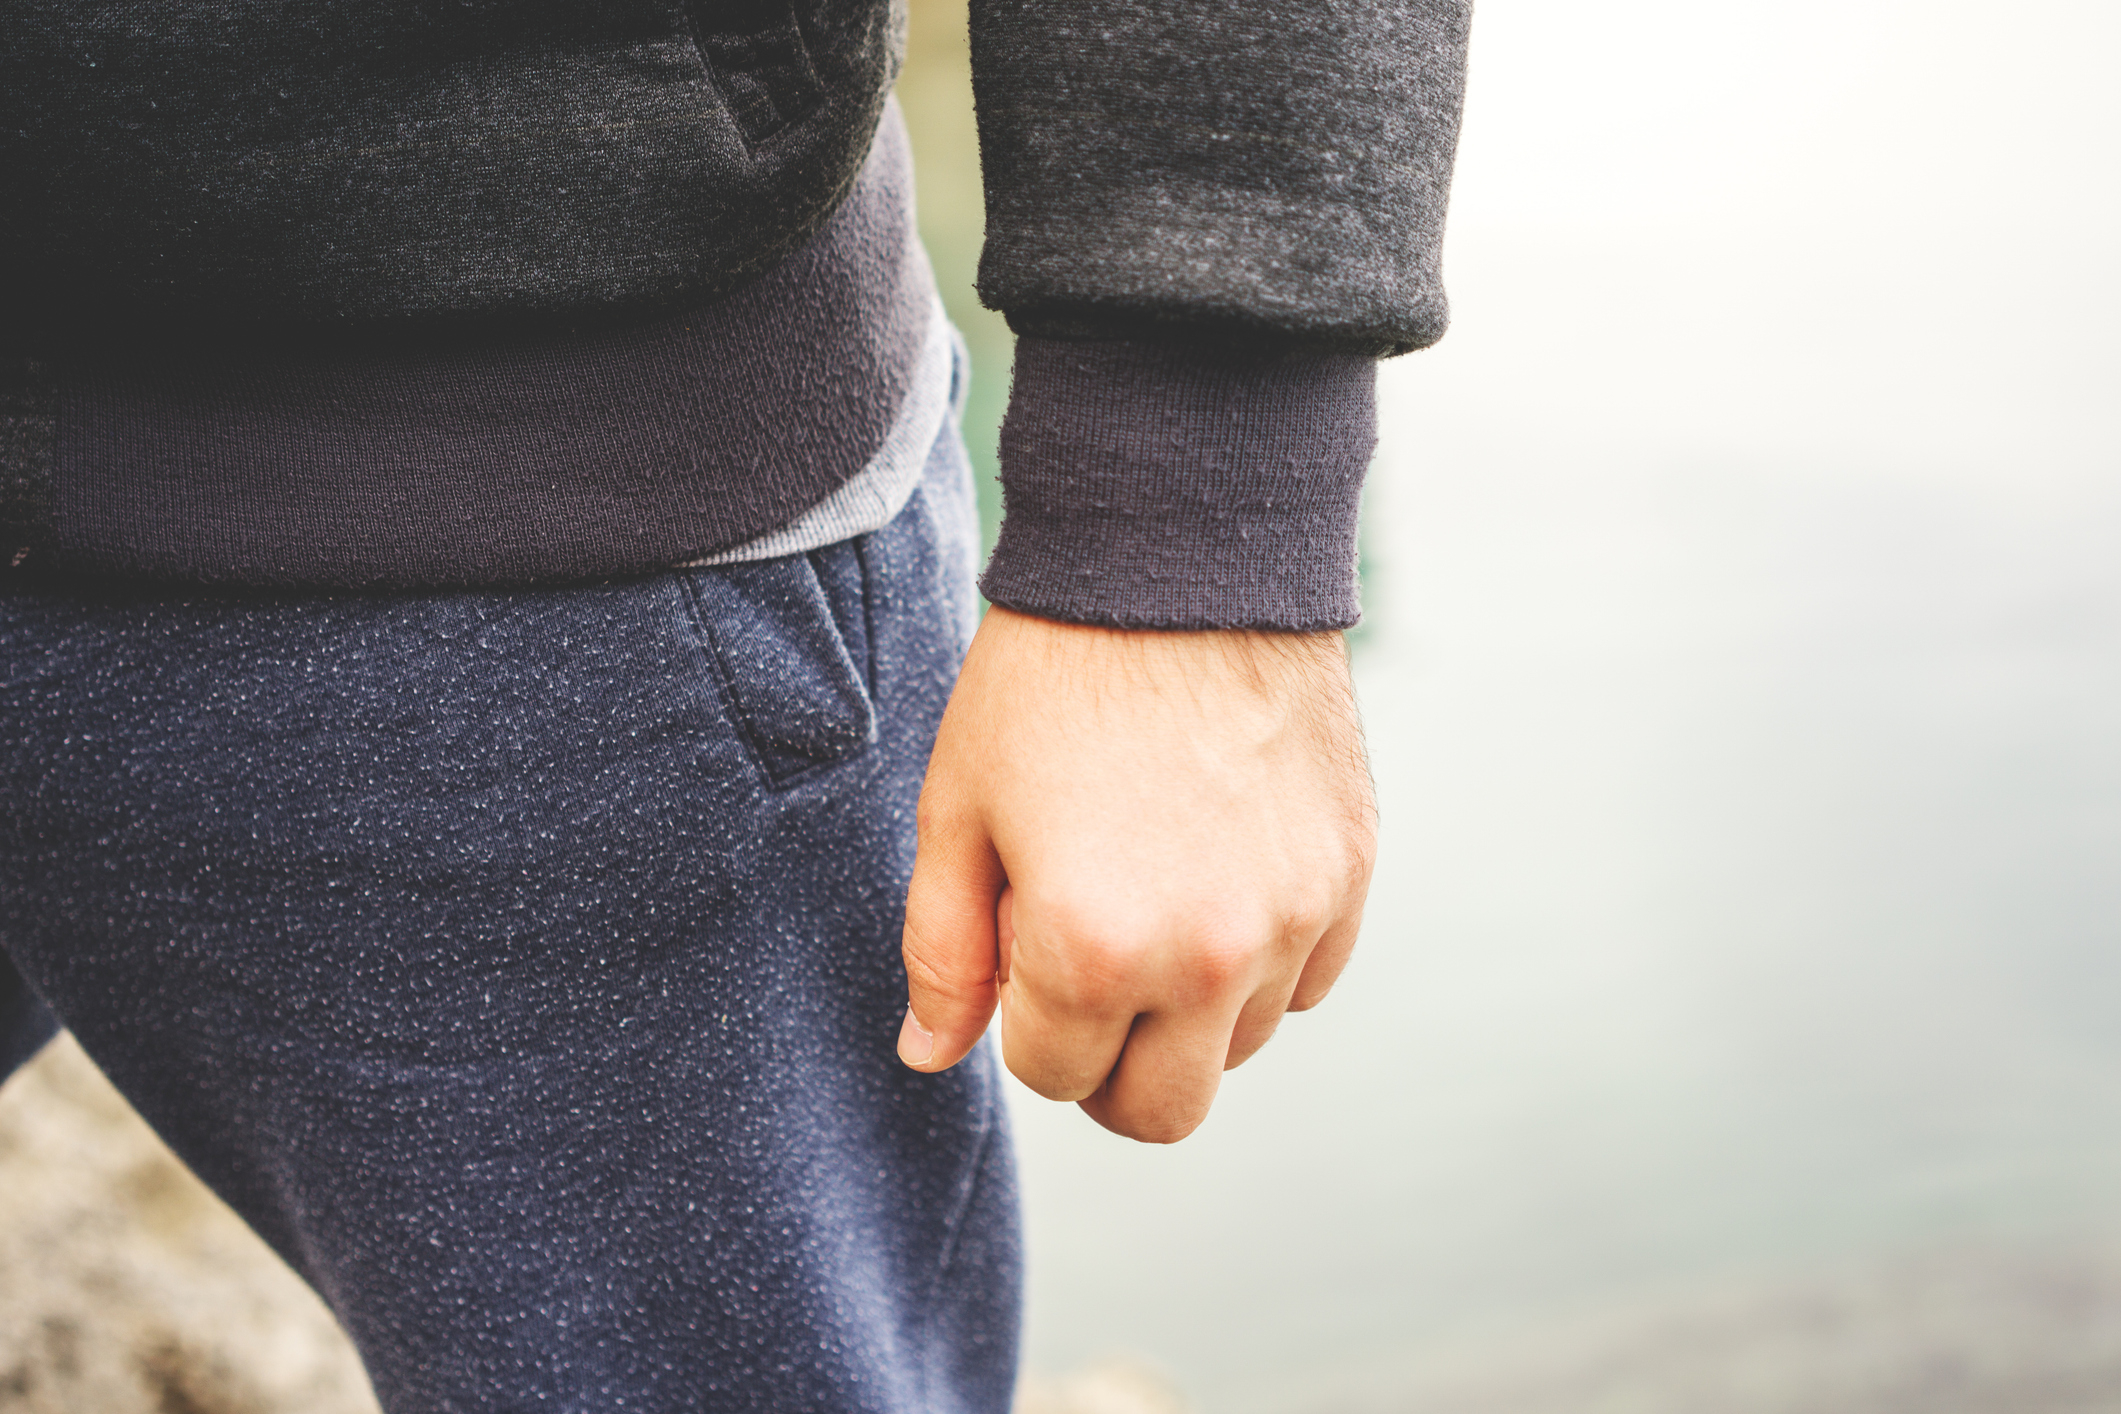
x=1744 y=684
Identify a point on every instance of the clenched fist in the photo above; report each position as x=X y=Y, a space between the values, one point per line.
x=1144 y=848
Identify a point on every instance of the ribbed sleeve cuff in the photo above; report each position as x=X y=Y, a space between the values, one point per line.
x=1163 y=485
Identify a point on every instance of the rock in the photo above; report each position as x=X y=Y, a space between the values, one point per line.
x=127 y=1288
x=1109 y=1387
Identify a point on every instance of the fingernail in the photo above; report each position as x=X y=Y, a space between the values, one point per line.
x=915 y=1043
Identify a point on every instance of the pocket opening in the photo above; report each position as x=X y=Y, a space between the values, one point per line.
x=760 y=63
x=788 y=638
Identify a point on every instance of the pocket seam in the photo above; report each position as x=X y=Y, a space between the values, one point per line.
x=747 y=730
x=711 y=650
x=861 y=560
x=764 y=94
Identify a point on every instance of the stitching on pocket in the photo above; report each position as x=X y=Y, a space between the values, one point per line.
x=868 y=580
x=783 y=758
x=760 y=63
x=710 y=649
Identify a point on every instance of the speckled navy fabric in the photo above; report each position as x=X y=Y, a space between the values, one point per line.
x=524 y=965
x=25 y=1022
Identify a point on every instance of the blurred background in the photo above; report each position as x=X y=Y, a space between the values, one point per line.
x=1737 y=1023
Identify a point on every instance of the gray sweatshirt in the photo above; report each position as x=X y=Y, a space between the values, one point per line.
x=346 y=293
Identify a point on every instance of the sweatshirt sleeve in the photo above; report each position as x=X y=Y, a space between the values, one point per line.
x=1206 y=219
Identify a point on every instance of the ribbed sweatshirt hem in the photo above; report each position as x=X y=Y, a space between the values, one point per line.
x=424 y=458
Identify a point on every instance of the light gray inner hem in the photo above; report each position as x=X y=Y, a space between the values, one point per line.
x=879 y=491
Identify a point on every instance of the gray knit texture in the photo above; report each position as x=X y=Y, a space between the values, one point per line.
x=298 y=161
x=28 y=432
x=423 y=461
x=1204 y=215
x=1272 y=167
x=1160 y=486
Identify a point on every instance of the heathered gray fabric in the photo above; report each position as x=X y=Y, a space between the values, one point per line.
x=1196 y=178
x=536 y=457
x=1160 y=486
x=296 y=161
x=874 y=496
x=1259 y=175
x=1276 y=168
x=27 y=434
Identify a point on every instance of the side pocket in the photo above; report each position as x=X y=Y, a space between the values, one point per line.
x=755 y=50
x=789 y=640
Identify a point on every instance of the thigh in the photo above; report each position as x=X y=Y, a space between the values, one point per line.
x=25 y=1022
x=524 y=965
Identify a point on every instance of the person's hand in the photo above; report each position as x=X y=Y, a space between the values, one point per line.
x=1145 y=847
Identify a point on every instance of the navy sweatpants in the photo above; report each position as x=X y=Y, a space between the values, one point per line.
x=524 y=965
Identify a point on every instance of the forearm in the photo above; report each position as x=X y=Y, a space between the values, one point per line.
x=1205 y=222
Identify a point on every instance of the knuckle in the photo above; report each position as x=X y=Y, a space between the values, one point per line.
x=1225 y=951
x=1222 y=962
x=1305 y=923
x=1078 y=926
x=1186 y=956
x=1362 y=867
x=1360 y=859
x=1088 y=955
x=1366 y=847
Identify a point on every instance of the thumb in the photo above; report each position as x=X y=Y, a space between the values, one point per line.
x=950 y=947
